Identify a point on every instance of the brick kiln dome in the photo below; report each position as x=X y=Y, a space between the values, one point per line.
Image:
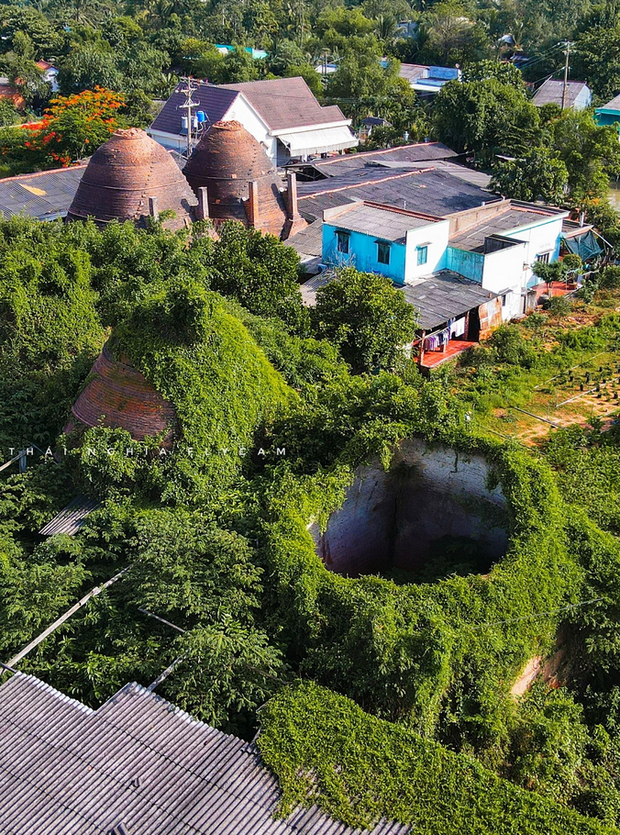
x=226 y=160
x=123 y=174
x=116 y=395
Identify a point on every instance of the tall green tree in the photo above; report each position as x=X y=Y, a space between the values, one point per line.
x=538 y=175
x=591 y=153
x=366 y=316
x=486 y=117
x=596 y=59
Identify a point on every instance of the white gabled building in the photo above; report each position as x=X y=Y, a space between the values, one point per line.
x=281 y=113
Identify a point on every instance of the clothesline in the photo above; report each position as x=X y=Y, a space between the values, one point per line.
x=436 y=341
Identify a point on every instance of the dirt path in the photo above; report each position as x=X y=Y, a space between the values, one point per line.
x=524 y=682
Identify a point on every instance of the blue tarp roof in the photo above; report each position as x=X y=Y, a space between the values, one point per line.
x=585 y=246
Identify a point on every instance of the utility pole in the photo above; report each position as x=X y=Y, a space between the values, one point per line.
x=188 y=106
x=565 y=86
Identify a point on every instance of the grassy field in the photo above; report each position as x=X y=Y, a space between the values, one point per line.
x=562 y=388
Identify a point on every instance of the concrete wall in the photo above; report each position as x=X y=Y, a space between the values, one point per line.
x=242 y=111
x=435 y=237
x=464 y=262
x=391 y=520
x=538 y=239
x=508 y=269
x=363 y=253
x=403 y=266
x=584 y=99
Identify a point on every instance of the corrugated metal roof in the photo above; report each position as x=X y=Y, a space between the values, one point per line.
x=443 y=296
x=319 y=140
x=72 y=517
x=401 y=155
x=413 y=72
x=44 y=195
x=613 y=105
x=308 y=243
x=137 y=761
x=382 y=223
x=510 y=220
x=436 y=193
x=551 y=91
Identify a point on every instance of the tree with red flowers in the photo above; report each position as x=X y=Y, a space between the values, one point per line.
x=74 y=126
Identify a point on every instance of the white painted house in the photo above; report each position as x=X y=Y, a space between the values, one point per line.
x=281 y=113
x=494 y=245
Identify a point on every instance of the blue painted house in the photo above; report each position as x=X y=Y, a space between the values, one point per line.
x=493 y=245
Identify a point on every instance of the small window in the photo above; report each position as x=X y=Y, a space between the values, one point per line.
x=504 y=297
x=383 y=252
x=544 y=258
x=422 y=255
x=343 y=242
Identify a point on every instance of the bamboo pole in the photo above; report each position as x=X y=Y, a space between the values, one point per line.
x=75 y=608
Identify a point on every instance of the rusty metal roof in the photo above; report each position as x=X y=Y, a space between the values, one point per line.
x=72 y=517
x=226 y=160
x=123 y=174
x=138 y=764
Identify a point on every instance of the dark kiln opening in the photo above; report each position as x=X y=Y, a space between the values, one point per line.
x=432 y=514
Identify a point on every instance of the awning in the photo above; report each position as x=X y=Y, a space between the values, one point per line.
x=319 y=141
x=586 y=246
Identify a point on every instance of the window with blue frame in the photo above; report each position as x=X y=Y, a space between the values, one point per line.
x=383 y=252
x=342 y=239
x=422 y=255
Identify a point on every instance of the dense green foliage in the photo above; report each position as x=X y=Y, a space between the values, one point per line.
x=273 y=421
x=365 y=316
x=360 y=769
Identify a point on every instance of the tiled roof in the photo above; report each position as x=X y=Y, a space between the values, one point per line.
x=214 y=101
x=285 y=103
x=44 y=195
x=550 y=92
x=137 y=764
